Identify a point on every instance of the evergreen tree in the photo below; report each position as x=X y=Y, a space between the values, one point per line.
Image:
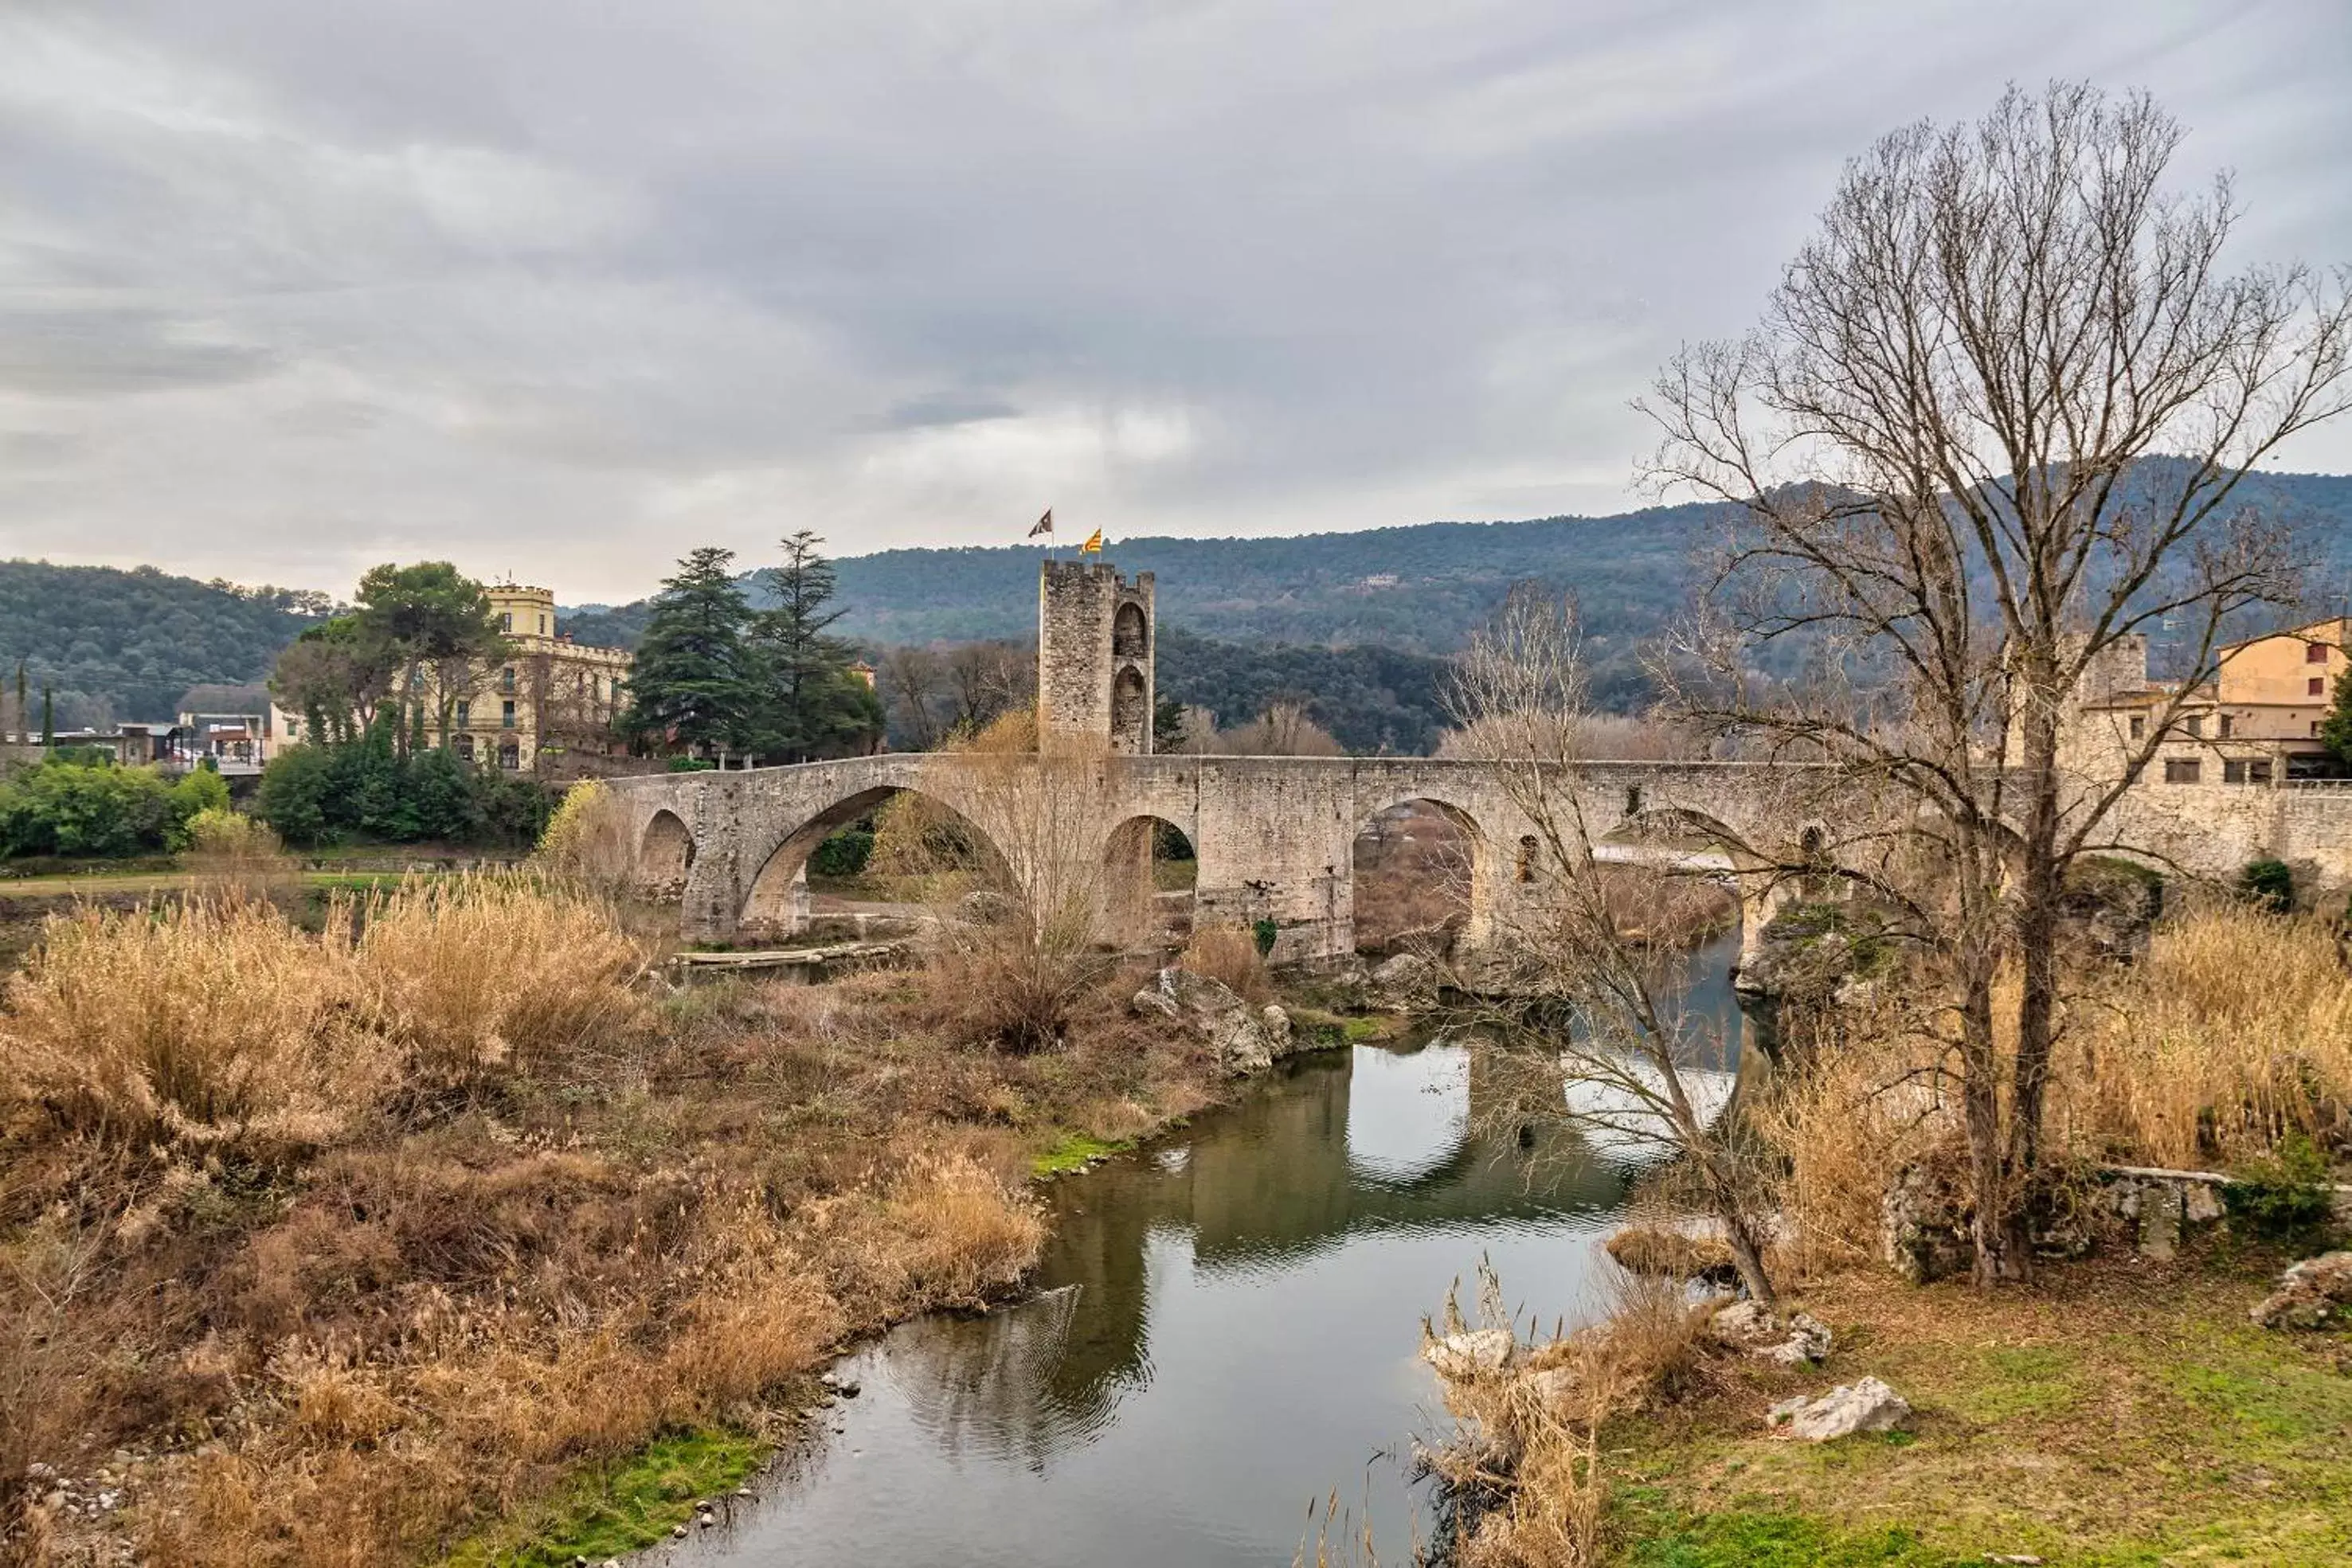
x=429 y=616
x=812 y=703
x=49 y=720
x=2336 y=729
x=693 y=684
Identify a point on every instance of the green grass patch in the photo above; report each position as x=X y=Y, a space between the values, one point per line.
x=1750 y=1539
x=624 y=1507
x=1075 y=1152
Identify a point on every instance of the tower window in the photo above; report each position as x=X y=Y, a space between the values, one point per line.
x=2315 y=652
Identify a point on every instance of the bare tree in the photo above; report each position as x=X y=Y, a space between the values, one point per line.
x=910 y=679
x=1993 y=425
x=1283 y=730
x=1622 y=1068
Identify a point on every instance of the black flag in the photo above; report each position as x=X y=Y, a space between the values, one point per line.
x=1045 y=524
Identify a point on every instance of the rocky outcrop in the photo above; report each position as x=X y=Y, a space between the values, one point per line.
x=1471 y=1353
x=1797 y=1340
x=1404 y=983
x=1923 y=1216
x=2311 y=1294
x=1244 y=1040
x=1867 y=1405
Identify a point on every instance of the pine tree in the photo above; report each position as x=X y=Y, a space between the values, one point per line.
x=813 y=703
x=692 y=687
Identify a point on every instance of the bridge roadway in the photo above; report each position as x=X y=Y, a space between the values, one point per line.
x=1274 y=834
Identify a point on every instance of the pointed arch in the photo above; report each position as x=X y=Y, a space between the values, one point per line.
x=664 y=855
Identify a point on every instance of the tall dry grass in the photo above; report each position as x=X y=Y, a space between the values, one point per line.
x=1228 y=955
x=2234 y=1030
x=475 y=972
x=215 y=1026
x=1524 y=1473
x=205 y=1025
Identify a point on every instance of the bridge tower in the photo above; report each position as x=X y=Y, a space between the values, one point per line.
x=1095 y=633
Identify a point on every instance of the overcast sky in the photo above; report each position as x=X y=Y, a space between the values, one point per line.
x=558 y=289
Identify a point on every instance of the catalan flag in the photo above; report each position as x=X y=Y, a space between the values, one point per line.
x=1093 y=545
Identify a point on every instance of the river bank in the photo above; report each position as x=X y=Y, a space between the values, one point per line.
x=447 y=1314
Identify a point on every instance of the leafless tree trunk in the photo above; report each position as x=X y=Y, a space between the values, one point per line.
x=1993 y=425
x=1522 y=708
x=911 y=680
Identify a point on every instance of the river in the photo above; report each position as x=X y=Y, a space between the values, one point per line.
x=1224 y=1327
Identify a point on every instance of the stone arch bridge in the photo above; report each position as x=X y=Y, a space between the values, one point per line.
x=1273 y=835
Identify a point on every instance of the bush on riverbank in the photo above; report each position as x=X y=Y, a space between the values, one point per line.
x=367 y=1239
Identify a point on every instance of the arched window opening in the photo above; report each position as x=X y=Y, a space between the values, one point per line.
x=1128 y=632
x=1525 y=870
x=1130 y=712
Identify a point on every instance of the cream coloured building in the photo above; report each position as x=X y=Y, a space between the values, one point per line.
x=550 y=703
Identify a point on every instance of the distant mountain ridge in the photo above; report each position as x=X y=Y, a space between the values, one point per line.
x=1264 y=615
x=1421 y=588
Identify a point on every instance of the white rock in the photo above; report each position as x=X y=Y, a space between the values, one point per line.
x=1742 y=1324
x=1808 y=1340
x=1149 y=1001
x=1461 y=1356
x=1868 y=1405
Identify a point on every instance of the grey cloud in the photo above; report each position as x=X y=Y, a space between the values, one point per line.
x=600 y=284
x=82 y=353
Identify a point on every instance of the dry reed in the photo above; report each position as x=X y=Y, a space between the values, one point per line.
x=2234 y=1030
x=1229 y=955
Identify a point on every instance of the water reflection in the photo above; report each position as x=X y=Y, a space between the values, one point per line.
x=1224 y=1327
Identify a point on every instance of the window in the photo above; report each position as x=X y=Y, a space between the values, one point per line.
x=2259 y=772
x=2138 y=727
x=466 y=747
x=2226 y=719
x=506 y=679
x=2233 y=772
x=464 y=712
x=1527 y=867
x=543 y=625
x=2182 y=770
x=506 y=713
x=510 y=756
x=2197 y=725
x=506 y=621
x=2315 y=686
x=2315 y=652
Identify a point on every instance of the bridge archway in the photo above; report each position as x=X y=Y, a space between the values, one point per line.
x=1421 y=877
x=1150 y=871
x=664 y=855
x=777 y=903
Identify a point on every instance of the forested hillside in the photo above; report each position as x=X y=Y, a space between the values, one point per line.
x=1420 y=588
x=116 y=645
x=1242 y=620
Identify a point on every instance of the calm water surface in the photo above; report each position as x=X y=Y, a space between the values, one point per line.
x=1225 y=1326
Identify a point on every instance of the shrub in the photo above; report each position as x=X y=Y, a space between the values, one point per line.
x=587 y=835
x=2268 y=885
x=94 y=807
x=842 y=855
x=367 y=788
x=2283 y=1194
